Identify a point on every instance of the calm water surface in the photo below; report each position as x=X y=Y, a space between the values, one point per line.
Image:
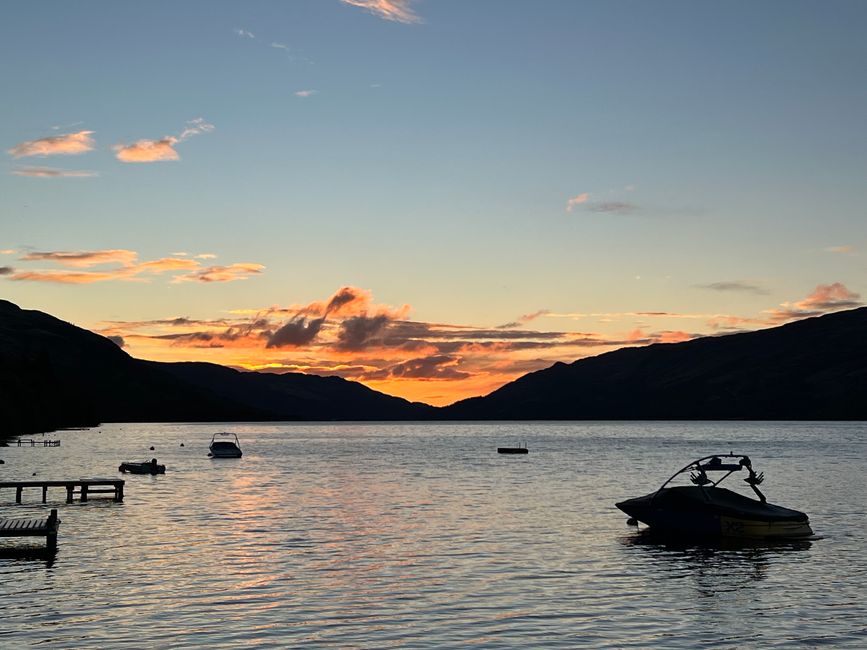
x=421 y=535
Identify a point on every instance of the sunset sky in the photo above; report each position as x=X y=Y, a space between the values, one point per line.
x=430 y=197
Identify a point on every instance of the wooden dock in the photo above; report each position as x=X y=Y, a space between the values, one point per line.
x=84 y=487
x=33 y=527
x=30 y=442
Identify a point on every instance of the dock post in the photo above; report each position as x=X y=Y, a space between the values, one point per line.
x=83 y=492
x=118 y=491
x=18 y=491
x=69 y=488
x=44 y=493
x=51 y=537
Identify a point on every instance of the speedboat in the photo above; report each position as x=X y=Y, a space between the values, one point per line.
x=147 y=467
x=704 y=509
x=225 y=445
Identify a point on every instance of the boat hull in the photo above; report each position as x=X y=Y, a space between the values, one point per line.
x=225 y=450
x=715 y=512
x=141 y=468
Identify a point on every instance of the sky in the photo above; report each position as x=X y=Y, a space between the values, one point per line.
x=431 y=197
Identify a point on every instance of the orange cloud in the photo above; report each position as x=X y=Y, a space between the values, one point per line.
x=129 y=267
x=72 y=277
x=238 y=271
x=394 y=10
x=167 y=264
x=58 y=145
x=350 y=336
x=825 y=298
x=147 y=151
x=576 y=200
x=143 y=151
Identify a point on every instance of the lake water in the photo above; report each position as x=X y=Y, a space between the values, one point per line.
x=421 y=535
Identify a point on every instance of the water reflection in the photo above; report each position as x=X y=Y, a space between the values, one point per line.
x=34 y=554
x=715 y=565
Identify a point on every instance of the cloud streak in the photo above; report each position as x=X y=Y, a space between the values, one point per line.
x=83 y=259
x=126 y=266
x=230 y=273
x=394 y=10
x=738 y=286
x=59 y=145
x=50 y=172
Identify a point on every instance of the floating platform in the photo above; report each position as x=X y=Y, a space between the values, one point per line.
x=84 y=487
x=33 y=527
x=512 y=450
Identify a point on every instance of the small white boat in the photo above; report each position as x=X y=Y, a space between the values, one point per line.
x=225 y=445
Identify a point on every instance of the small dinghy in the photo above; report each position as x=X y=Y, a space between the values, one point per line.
x=147 y=467
x=224 y=445
x=704 y=509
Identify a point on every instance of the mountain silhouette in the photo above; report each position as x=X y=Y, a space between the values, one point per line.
x=813 y=369
x=54 y=375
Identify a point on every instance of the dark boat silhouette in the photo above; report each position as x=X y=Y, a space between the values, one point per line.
x=520 y=449
x=704 y=509
x=146 y=467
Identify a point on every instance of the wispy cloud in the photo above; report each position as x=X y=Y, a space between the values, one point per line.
x=612 y=207
x=526 y=318
x=196 y=126
x=57 y=276
x=50 y=172
x=575 y=201
x=738 y=286
x=435 y=367
x=395 y=10
x=230 y=273
x=280 y=46
x=841 y=250
x=124 y=265
x=582 y=201
x=83 y=259
x=145 y=151
x=58 y=145
x=6 y=270
x=306 y=93
x=243 y=33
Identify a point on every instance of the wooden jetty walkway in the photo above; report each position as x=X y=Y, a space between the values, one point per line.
x=33 y=527
x=30 y=442
x=82 y=486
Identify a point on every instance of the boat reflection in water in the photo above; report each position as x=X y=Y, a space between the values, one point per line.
x=706 y=510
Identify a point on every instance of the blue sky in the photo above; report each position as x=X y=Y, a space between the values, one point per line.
x=714 y=154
